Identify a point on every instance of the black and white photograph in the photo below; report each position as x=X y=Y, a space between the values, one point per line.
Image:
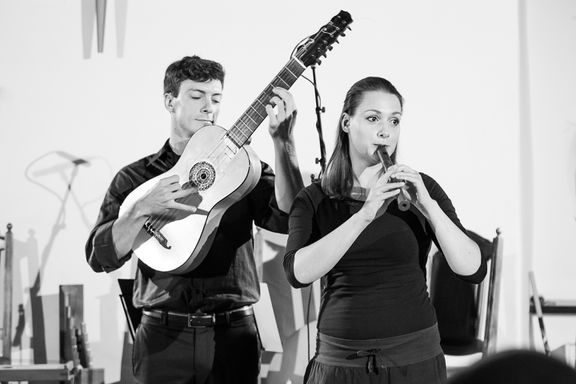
x=256 y=192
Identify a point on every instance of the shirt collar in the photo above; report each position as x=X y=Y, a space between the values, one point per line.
x=165 y=158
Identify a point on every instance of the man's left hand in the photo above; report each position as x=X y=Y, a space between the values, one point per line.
x=281 y=122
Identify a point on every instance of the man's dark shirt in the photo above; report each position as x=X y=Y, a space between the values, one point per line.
x=226 y=279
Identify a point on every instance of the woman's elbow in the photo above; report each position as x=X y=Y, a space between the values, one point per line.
x=290 y=267
x=478 y=276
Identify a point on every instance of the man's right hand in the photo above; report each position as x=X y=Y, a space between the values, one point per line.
x=157 y=201
x=163 y=196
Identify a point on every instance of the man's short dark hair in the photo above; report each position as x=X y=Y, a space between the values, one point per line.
x=193 y=68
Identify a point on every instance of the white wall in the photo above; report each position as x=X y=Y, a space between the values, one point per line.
x=455 y=62
x=551 y=58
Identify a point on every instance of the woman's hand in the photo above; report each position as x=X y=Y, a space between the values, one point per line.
x=380 y=196
x=415 y=189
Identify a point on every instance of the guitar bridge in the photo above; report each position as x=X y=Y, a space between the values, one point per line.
x=155 y=233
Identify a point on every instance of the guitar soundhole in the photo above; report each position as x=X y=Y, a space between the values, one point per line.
x=202 y=175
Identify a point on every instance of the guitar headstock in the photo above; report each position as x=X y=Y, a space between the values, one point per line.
x=317 y=45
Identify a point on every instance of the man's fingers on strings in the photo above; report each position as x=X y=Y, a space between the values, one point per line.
x=287 y=99
x=280 y=107
x=192 y=190
x=181 y=193
x=183 y=207
x=271 y=115
x=169 y=180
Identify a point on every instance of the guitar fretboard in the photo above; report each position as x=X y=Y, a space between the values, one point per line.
x=245 y=126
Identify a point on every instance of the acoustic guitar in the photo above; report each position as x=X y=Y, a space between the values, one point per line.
x=220 y=164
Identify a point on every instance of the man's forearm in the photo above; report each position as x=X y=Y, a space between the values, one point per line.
x=125 y=230
x=288 y=177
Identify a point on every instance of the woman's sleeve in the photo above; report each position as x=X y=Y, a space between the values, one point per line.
x=438 y=194
x=301 y=232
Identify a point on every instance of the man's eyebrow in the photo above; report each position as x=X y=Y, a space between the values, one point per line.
x=202 y=91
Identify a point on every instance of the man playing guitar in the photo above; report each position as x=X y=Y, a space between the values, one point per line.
x=197 y=326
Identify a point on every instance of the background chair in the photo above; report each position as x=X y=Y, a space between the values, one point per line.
x=467 y=313
x=516 y=367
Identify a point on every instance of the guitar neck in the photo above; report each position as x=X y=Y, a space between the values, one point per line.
x=245 y=126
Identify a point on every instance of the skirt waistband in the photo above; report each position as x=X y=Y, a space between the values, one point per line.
x=392 y=351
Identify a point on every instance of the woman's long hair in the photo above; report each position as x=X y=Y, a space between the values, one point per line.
x=338 y=179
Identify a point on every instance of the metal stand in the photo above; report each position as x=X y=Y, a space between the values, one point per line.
x=319 y=110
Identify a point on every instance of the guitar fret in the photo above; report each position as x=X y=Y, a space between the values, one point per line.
x=254 y=121
x=259 y=102
x=242 y=131
x=285 y=83
x=236 y=142
x=256 y=111
x=246 y=131
x=292 y=73
x=295 y=60
x=234 y=136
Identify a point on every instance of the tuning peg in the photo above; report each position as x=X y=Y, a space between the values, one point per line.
x=336 y=41
x=348 y=27
x=318 y=62
x=342 y=34
x=330 y=47
x=324 y=54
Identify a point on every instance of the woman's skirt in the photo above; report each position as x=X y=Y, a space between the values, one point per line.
x=412 y=358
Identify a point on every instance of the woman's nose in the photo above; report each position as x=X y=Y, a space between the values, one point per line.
x=383 y=134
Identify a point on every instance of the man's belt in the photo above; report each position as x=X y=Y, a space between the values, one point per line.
x=199 y=319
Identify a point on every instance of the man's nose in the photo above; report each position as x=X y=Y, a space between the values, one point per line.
x=208 y=107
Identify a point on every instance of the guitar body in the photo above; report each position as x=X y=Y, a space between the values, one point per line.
x=223 y=173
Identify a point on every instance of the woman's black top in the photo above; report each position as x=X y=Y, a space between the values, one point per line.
x=378 y=288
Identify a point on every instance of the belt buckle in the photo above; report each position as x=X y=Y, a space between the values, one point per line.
x=201 y=321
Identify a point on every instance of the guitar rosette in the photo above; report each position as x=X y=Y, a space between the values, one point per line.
x=202 y=175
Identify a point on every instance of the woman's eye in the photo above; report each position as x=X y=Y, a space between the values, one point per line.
x=372 y=119
x=395 y=121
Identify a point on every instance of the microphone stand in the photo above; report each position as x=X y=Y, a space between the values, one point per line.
x=319 y=111
x=322 y=161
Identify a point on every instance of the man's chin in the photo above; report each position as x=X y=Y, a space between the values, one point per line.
x=198 y=127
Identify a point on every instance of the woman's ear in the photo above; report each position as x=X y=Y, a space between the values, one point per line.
x=345 y=122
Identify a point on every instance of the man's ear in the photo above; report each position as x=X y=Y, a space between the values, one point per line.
x=169 y=102
x=345 y=124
